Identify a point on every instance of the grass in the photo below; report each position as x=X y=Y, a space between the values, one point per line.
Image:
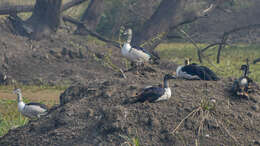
x=232 y=57
x=130 y=141
x=10 y=117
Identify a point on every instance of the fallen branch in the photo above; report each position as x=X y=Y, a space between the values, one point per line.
x=81 y=24
x=29 y=8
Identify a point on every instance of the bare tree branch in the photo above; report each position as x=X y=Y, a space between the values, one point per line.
x=72 y=3
x=193 y=42
x=15 y=9
x=209 y=46
x=227 y=34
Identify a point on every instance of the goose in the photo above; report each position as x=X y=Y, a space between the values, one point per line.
x=30 y=110
x=195 y=72
x=241 y=86
x=155 y=93
x=134 y=53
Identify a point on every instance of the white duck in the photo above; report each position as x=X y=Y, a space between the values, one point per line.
x=133 y=53
x=30 y=110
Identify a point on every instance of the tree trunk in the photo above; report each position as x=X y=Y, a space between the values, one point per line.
x=91 y=16
x=45 y=19
x=169 y=15
x=160 y=22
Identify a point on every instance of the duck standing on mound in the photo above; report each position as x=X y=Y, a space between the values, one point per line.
x=155 y=93
x=195 y=72
x=241 y=86
x=30 y=110
x=135 y=54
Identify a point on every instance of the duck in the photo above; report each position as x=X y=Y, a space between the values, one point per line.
x=136 y=54
x=241 y=86
x=30 y=110
x=155 y=93
x=193 y=71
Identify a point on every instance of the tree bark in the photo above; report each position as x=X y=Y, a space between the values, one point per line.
x=91 y=16
x=169 y=15
x=160 y=22
x=45 y=19
x=93 y=13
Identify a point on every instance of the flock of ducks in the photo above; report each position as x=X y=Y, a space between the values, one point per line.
x=189 y=71
x=138 y=55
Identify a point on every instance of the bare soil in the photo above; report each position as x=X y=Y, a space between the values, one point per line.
x=93 y=110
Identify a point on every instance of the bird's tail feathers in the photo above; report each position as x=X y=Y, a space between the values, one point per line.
x=131 y=100
x=155 y=59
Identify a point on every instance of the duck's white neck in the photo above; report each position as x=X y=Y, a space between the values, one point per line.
x=129 y=36
x=127 y=47
x=19 y=97
x=21 y=104
x=178 y=70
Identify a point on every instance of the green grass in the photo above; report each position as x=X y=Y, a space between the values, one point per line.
x=9 y=116
x=232 y=57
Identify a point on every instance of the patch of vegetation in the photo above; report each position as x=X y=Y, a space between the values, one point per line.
x=232 y=57
x=134 y=141
x=10 y=117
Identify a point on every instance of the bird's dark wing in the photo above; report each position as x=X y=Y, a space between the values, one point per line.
x=190 y=69
x=142 y=49
x=150 y=94
x=202 y=72
x=210 y=74
x=38 y=104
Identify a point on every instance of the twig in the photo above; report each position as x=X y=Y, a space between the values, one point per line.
x=209 y=46
x=122 y=72
x=193 y=42
x=233 y=137
x=190 y=114
x=227 y=34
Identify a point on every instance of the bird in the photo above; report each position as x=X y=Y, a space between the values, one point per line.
x=241 y=86
x=31 y=110
x=155 y=93
x=136 y=54
x=195 y=72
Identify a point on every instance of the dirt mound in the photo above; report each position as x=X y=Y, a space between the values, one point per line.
x=61 y=59
x=93 y=114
